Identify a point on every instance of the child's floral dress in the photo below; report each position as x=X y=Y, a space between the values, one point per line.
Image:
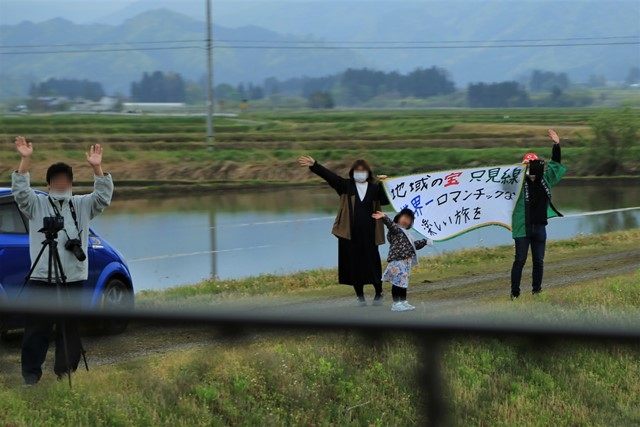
x=398 y=272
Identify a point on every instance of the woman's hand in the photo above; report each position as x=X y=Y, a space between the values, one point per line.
x=382 y=177
x=306 y=161
x=554 y=136
x=377 y=215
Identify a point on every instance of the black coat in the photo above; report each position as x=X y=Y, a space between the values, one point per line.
x=358 y=257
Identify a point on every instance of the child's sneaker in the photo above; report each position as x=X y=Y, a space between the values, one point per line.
x=399 y=306
x=407 y=305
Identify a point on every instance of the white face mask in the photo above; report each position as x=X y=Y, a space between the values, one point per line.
x=360 y=176
x=60 y=195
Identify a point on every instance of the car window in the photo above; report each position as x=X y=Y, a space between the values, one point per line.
x=10 y=219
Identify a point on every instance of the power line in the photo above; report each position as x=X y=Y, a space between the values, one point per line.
x=100 y=43
x=101 y=50
x=424 y=47
x=429 y=41
x=326 y=48
x=335 y=42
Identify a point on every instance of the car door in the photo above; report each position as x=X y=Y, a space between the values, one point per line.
x=98 y=260
x=14 y=247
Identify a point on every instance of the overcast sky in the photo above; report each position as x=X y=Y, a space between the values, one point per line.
x=81 y=11
x=89 y=11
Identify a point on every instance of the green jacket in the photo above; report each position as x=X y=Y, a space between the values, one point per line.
x=552 y=175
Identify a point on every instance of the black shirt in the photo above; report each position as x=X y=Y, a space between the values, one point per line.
x=538 y=202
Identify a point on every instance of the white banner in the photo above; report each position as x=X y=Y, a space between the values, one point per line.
x=449 y=203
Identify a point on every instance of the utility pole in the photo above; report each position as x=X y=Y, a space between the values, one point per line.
x=210 y=131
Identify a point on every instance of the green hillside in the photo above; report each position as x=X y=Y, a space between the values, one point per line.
x=116 y=70
x=348 y=24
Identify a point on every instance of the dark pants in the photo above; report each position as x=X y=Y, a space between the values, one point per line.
x=37 y=332
x=537 y=240
x=360 y=290
x=399 y=294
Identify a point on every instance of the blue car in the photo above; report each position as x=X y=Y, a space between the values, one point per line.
x=109 y=283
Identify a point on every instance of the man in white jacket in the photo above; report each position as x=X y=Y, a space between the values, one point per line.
x=77 y=212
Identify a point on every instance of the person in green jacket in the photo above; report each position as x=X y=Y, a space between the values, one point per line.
x=531 y=212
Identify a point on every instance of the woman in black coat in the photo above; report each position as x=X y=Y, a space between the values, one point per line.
x=359 y=235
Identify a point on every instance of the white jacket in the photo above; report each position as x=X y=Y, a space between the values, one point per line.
x=37 y=206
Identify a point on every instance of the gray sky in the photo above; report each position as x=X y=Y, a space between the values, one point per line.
x=81 y=11
x=89 y=11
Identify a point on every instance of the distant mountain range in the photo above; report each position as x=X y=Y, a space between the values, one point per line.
x=329 y=22
x=116 y=70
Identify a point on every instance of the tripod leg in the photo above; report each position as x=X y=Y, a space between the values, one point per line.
x=55 y=257
x=75 y=299
x=33 y=268
x=84 y=357
x=52 y=245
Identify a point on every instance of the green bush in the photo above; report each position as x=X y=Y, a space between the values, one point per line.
x=615 y=136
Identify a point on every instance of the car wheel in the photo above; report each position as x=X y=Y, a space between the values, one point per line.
x=116 y=294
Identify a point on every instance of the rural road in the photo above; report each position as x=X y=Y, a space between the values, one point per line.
x=431 y=299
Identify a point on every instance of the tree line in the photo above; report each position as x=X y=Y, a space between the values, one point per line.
x=159 y=87
x=356 y=86
x=352 y=87
x=70 y=88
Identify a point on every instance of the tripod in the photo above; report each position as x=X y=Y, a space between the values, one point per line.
x=55 y=275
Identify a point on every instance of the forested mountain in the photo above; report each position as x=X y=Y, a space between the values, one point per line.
x=349 y=22
x=117 y=69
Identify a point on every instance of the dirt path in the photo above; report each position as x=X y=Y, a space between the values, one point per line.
x=431 y=299
x=436 y=297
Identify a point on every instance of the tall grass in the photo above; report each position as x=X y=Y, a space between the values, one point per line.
x=341 y=379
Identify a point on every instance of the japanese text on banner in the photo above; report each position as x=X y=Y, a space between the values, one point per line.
x=453 y=202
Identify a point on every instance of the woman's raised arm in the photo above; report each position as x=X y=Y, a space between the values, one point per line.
x=334 y=180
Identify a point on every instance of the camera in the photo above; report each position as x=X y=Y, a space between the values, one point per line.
x=75 y=247
x=52 y=224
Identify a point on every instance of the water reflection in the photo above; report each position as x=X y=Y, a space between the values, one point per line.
x=174 y=241
x=578 y=197
x=610 y=221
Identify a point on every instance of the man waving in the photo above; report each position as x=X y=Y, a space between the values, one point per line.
x=531 y=212
x=76 y=212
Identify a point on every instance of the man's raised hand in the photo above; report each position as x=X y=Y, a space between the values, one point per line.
x=554 y=136
x=23 y=146
x=306 y=161
x=94 y=156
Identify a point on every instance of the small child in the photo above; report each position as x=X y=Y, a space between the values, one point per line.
x=402 y=256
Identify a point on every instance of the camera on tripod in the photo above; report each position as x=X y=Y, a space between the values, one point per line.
x=51 y=225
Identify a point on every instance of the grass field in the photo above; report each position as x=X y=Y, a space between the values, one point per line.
x=343 y=379
x=263 y=146
x=323 y=282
